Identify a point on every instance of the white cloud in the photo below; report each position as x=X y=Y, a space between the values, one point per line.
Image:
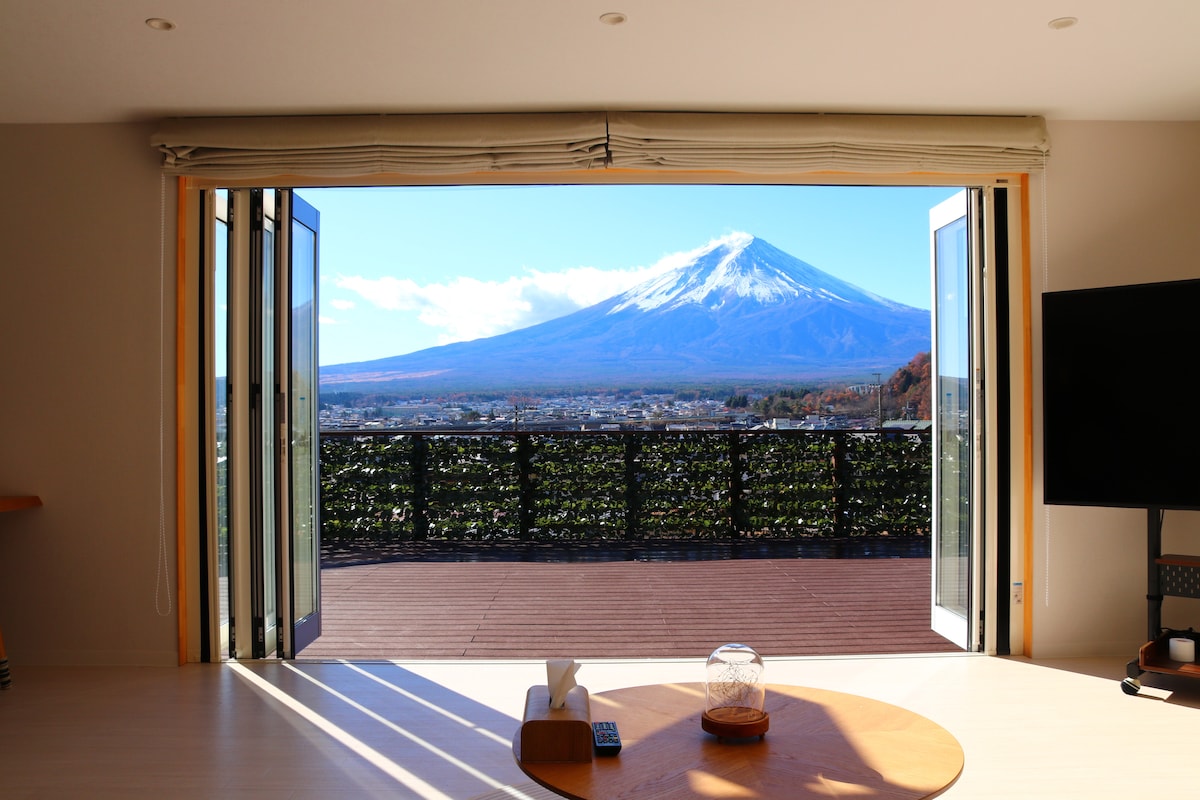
x=326 y=321
x=466 y=308
x=342 y=305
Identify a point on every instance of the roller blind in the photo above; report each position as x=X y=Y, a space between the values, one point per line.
x=433 y=144
x=774 y=143
x=462 y=144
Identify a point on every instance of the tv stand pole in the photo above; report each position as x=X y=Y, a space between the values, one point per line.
x=1154 y=597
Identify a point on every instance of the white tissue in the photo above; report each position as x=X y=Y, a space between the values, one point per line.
x=560 y=679
x=1181 y=649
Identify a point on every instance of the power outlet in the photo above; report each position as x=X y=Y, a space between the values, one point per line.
x=1018 y=593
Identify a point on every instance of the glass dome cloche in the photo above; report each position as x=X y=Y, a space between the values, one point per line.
x=735 y=694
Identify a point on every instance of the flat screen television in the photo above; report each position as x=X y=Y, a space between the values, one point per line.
x=1121 y=378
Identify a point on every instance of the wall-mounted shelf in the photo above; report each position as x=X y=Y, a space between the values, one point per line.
x=17 y=502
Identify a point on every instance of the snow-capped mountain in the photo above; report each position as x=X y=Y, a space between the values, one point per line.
x=740 y=309
x=740 y=266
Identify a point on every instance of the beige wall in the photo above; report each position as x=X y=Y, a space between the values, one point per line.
x=80 y=248
x=79 y=412
x=1122 y=207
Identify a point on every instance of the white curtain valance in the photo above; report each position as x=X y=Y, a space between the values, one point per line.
x=462 y=144
x=774 y=143
x=420 y=144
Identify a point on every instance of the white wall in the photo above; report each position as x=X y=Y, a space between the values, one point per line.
x=1122 y=207
x=80 y=248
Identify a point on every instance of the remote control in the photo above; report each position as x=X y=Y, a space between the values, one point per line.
x=607 y=740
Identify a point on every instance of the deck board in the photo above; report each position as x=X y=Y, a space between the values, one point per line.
x=637 y=609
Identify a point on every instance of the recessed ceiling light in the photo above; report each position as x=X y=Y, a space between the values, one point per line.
x=160 y=24
x=1062 y=22
x=613 y=18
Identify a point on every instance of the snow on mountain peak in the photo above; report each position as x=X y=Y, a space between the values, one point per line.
x=736 y=266
x=735 y=242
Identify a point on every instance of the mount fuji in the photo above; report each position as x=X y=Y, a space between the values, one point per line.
x=740 y=310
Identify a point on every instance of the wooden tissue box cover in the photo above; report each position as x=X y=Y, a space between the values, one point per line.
x=556 y=734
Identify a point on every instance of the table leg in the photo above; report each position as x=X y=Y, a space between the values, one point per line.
x=5 y=677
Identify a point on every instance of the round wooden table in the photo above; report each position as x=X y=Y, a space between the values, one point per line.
x=820 y=744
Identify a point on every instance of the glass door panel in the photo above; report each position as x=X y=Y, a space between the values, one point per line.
x=304 y=544
x=954 y=415
x=263 y=454
x=219 y=305
x=242 y=465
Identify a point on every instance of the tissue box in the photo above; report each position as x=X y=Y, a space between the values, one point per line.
x=556 y=734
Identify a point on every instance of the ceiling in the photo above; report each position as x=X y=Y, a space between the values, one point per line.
x=72 y=61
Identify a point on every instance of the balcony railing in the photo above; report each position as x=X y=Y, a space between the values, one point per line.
x=625 y=487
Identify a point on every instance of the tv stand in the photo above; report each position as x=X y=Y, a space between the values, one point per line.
x=1169 y=575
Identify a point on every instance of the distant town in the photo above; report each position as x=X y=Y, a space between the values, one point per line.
x=608 y=412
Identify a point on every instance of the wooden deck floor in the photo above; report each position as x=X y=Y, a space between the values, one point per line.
x=503 y=610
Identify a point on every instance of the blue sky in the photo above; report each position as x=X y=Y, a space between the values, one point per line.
x=403 y=269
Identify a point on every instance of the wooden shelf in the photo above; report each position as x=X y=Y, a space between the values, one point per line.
x=1177 y=560
x=1154 y=657
x=17 y=502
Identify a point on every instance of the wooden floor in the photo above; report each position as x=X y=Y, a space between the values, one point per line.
x=442 y=730
x=501 y=610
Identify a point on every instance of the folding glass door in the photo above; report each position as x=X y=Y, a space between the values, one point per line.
x=266 y=522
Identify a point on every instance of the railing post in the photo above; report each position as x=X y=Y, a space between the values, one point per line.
x=525 y=513
x=841 y=486
x=419 y=461
x=737 y=489
x=633 y=494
